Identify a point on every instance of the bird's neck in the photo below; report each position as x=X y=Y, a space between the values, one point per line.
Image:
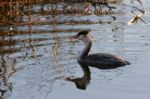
x=86 y=49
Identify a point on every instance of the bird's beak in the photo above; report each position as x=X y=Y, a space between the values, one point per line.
x=73 y=38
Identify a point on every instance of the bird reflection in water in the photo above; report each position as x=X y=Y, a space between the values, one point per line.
x=81 y=82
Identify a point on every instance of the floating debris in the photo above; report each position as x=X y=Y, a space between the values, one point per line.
x=136 y=19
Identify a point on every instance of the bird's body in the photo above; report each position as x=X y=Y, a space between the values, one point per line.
x=103 y=61
x=98 y=60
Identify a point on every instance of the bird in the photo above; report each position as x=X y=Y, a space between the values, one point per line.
x=98 y=60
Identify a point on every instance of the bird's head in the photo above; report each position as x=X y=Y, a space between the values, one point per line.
x=84 y=35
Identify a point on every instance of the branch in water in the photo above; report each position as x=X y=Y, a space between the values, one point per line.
x=136 y=18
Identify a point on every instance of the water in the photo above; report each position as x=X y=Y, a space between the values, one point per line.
x=37 y=57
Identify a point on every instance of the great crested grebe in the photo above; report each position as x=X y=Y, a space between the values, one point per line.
x=98 y=60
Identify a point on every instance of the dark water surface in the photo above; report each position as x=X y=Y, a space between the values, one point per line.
x=35 y=57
